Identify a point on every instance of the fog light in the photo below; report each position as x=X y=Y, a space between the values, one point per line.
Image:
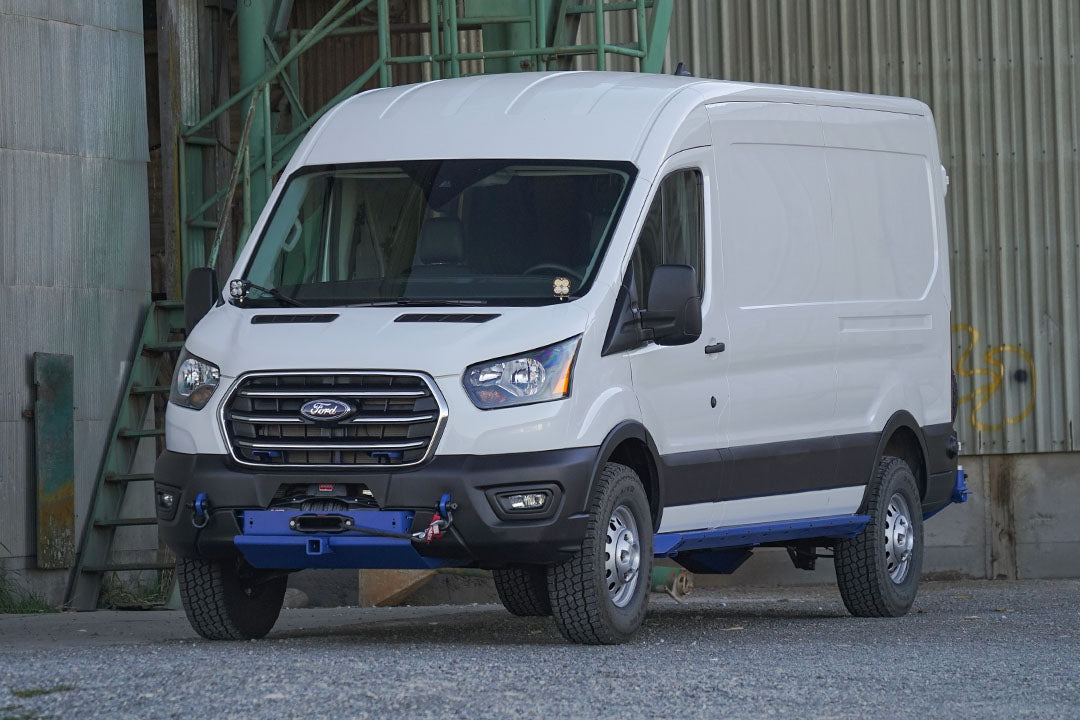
x=527 y=501
x=166 y=500
x=524 y=502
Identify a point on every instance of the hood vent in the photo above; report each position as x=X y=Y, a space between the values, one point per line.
x=446 y=317
x=274 y=319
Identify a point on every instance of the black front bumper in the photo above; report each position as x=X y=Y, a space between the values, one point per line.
x=479 y=533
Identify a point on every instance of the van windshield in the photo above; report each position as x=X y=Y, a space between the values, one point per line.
x=514 y=232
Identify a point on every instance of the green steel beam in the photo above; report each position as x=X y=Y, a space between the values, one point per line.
x=655 y=37
x=252 y=25
x=506 y=25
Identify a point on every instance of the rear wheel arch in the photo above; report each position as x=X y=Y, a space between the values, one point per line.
x=902 y=437
x=630 y=444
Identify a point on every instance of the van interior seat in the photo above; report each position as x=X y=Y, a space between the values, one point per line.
x=440 y=249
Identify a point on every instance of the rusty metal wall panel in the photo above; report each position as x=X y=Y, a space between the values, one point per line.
x=54 y=459
x=1003 y=80
x=74 y=224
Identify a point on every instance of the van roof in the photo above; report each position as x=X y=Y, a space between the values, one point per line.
x=552 y=115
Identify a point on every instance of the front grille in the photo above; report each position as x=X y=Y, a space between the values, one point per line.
x=395 y=421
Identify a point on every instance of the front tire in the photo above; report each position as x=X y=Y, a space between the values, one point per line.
x=878 y=570
x=523 y=589
x=599 y=596
x=229 y=600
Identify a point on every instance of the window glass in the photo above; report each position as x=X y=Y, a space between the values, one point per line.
x=472 y=231
x=673 y=232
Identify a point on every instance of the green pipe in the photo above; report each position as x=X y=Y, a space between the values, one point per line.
x=433 y=17
x=384 y=44
x=268 y=157
x=252 y=24
x=656 y=36
x=451 y=16
x=674 y=581
x=601 y=56
x=643 y=36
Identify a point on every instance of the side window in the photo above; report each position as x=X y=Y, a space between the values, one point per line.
x=673 y=233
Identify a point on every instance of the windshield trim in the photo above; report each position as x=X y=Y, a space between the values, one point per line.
x=624 y=166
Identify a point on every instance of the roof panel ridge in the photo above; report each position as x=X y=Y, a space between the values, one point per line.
x=407 y=90
x=533 y=84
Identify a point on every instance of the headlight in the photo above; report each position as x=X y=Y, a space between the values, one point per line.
x=532 y=377
x=194 y=382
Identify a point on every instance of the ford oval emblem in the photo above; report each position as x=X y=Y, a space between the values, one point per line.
x=326 y=410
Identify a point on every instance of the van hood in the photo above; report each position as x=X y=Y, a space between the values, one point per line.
x=366 y=338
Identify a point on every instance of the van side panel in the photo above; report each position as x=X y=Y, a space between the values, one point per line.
x=775 y=230
x=892 y=319
x=835 y=284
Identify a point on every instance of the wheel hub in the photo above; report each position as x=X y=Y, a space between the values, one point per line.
x=899 y=538
x=622 y=556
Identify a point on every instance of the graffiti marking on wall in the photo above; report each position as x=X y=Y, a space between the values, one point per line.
x=990 y=378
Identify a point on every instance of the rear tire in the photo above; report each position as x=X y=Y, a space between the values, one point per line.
x=878 y=571
x=599 y=596
x=523 y=589
x=229 y=600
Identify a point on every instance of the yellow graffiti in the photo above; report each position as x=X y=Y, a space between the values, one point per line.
x=995 y=374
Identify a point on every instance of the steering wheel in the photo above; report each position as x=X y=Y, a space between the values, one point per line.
x=535 y=270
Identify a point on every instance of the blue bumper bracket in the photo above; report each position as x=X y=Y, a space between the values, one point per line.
x=267 y=540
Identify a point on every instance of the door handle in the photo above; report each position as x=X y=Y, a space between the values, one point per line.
x=715 y=348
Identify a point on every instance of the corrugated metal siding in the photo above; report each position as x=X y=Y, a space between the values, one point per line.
x=1003 y=80
x=74 y=255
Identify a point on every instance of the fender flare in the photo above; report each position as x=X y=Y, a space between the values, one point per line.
x=899 y=419
x=654 y=484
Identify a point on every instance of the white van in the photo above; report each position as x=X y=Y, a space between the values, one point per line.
x=559 y=324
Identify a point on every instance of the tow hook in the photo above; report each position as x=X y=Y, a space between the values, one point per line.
x=440 y=521
x=200 y=511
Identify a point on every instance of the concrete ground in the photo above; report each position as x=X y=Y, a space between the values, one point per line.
x=972 y=649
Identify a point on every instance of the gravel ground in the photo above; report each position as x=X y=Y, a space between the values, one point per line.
x=972 y=649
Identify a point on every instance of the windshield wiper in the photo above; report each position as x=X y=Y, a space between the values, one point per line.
x=413 y=302
x=240 y=288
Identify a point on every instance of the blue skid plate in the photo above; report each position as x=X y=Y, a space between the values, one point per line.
x=840 y=526
x=267 y=541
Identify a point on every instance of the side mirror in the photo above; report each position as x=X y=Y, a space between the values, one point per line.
x=673 y=312
x=200 y=295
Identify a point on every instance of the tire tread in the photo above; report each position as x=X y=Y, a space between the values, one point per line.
x=211 y=603
x=572 y=586
x=860 y=574
x=523 y=590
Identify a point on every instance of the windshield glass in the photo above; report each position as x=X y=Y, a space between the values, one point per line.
x=440 y=231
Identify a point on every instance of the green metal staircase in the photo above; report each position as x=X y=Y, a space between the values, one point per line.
x=139 y=419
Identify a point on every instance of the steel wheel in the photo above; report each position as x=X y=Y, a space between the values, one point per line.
x=622 y=556
x=899 y=538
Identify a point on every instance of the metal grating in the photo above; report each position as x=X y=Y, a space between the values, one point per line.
x=395 y=420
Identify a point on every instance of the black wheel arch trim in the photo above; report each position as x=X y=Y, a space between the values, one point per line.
x=654 y=485
x=899 y=419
